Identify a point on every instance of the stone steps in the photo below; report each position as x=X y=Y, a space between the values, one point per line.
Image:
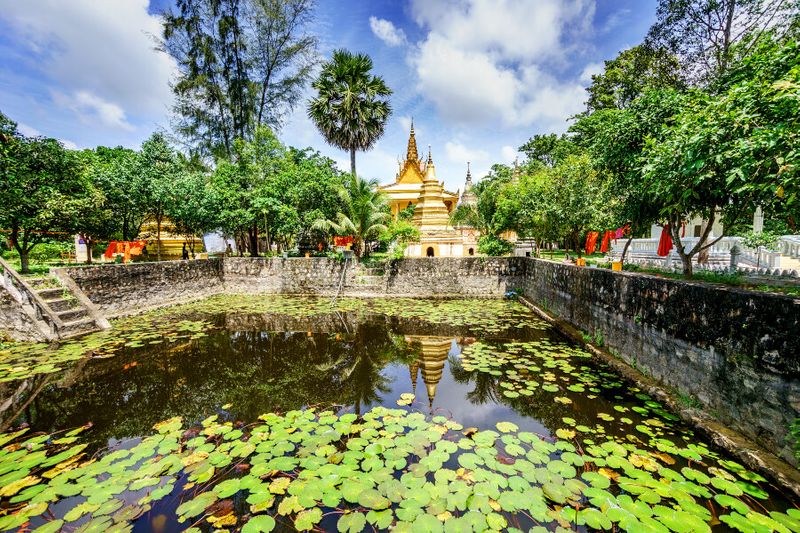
x=76 y=318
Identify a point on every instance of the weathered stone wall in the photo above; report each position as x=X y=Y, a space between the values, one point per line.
x=737 y=351
x=120 y=289
x=448 y=276
x=15 y=322
x=297 y=275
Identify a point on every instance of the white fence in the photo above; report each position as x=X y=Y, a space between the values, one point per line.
x=784 y=259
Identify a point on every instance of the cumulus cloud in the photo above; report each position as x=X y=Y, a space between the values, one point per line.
x=484 y=61
x=592 y=69
x=92 y=109
x=509 y=154
x=99 y=57
x=459 y=154
x=387 y=32
x=28 y=131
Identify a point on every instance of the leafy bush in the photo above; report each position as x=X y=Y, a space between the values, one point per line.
x=494 y=246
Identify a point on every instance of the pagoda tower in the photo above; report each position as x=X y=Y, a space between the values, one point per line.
x=430 y=213
x=468 y=197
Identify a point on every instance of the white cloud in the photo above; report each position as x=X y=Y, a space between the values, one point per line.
x=100 y=54
x=28 y=131
x=459 y=155
x=508 y=154
x=69 y=145
x=92 y=109
x=482 y=61
x=592 y=69
x=387 y=32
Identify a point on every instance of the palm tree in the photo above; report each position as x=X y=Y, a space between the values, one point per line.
x=365 y=212
x=351 y=107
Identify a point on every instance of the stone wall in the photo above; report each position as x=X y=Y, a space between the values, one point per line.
x=15 y=322
x=297 y=275
x=122 y=289
x=487 y=277
x=736 y=351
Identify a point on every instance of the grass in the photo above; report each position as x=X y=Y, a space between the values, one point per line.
x=689 y=401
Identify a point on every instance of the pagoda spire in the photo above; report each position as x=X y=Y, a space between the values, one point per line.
x=430 y=157
x=469 y=177
x=411 y=153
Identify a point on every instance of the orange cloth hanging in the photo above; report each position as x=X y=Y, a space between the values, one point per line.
x=591 y=242
x=607 y=236
x=665 y=243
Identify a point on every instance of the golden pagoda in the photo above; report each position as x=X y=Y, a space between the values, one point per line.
x=433 y=355
x=416 y=185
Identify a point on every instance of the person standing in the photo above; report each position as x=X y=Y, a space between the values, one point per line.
x=185 y=252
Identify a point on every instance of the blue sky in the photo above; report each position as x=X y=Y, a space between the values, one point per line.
x=479 y=77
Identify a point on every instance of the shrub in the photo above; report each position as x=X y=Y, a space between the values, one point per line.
x=494 y=246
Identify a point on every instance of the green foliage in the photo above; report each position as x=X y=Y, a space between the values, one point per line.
x=492 y=245
x=626 y=77
x=407 y=213
x=364 y=215
x=705 y=34
x=352 y=104
x=761 y=239
x=401 y=232
x=273 y=190
x=43 y=189
x=547 y=150
x=241 y=65
x=727 y=153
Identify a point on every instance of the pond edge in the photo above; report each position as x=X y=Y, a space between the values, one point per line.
x=775 y=469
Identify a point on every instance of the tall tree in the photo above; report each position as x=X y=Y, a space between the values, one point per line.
x=352 y=104
x=628 y=75
x=42 y=189
x=115 y=171
x=158 y=168
x=729 y=152
x=242 y=64
x=703 y=33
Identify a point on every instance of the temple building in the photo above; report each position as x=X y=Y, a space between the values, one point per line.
x=417 y=186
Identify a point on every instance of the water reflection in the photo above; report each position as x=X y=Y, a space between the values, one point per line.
x=242 y=370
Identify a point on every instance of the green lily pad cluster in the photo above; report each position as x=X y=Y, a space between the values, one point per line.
x=390 y=469
x=489 y=315
x=634 y=445
x=24 y=360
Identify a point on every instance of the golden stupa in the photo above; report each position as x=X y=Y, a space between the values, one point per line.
x=433 y=355
x=171 y=240
x=416 y=185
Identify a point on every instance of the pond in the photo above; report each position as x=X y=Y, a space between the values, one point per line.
x=275 y=413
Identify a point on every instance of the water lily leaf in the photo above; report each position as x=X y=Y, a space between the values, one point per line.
x=259 y=524
x=352 y=522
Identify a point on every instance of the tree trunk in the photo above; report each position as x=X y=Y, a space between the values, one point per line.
x=88 y=242
x=158 y=238
x=24 y=262
x=125 y=230
x=253 y=240
x=353 y=161
x=625 y=249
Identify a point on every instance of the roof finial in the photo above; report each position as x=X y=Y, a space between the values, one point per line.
x=411 y=154
x=430 y=158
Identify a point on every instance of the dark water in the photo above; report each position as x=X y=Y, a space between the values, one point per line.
x=254 y=364
x=353 y=366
